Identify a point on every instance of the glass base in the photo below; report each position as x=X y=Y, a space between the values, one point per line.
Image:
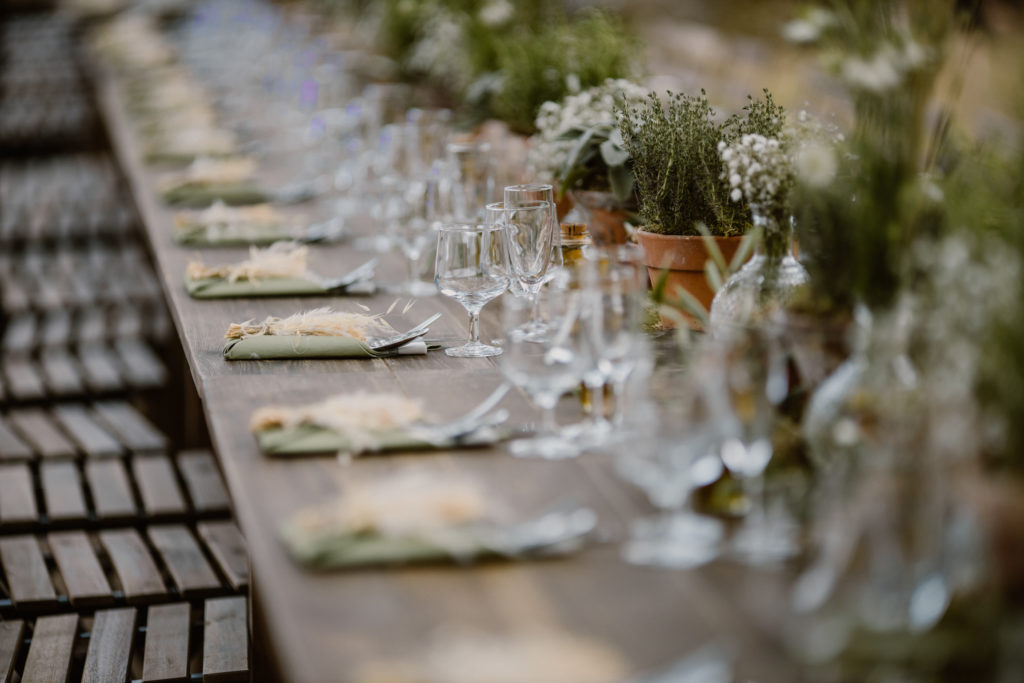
x=544 y=447
x=471 y=350
x=683 y=540
x=765 y=542
x=419 y=288
x=589 y=434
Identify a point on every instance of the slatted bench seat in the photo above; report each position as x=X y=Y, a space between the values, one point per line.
x=152 y=645
x=88 y=569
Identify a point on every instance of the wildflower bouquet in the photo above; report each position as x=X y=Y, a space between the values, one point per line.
x=578 y=143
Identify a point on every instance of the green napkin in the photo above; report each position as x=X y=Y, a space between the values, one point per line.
x=308 y=439
x=201 y=195
x=220 y=288
x=269 y=346
x=324 y=551
x=194 y=235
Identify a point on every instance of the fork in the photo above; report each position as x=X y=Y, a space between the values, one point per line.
x=362 y=272
x=403 y=338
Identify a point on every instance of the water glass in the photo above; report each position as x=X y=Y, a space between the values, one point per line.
x=544 y=365
x=472 y=179
x=471 y=267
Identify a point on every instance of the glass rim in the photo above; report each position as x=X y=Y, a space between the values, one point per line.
x=530 y=187
x=468 y=226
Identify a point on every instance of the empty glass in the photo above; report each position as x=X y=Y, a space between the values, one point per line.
x=669 y=461
x=472 y=179
x=530 y=231
x=471 y=267
x=544 y=365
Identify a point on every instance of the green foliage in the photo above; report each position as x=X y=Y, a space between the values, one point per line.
x=541 y=66
x=676 y=162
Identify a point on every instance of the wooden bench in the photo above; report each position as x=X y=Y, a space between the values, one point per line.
x=121 y=566
x=106 y=646
x=78 y=465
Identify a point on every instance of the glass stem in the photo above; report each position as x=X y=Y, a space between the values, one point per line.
x=596 y=401
x=474 y=326
x=618 y=403
x=413 y=260
x=548 y=426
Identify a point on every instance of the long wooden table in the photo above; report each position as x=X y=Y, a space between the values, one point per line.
x=324 y=627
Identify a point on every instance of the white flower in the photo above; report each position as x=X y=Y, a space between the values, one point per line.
x=801 y=31
x=496 y=12
x=816 y=164
x=736 y=195
x=881 y=73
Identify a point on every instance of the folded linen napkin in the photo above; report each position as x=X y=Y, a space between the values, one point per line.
x=319 y=333
x=207 y=180
x=221 y=225
x=278 y=270
x=413 y=518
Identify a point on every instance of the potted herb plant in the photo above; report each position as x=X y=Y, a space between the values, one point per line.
x=578 y=146
x=681 y=186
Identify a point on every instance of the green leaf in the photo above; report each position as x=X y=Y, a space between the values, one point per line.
x=713 y=275
x=578 y=148
x=689 y=303
x=712 y=246
x=612 y=154
x=620 y=179
x=747 y=245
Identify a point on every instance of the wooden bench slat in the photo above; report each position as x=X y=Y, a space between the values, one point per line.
x=100 y=368
x=140 y=578
x=203 y=481
x=10 y=645
x=134 y=430
x=158 y=486
x=111 y=491
x=49 y=655
x=11 y=445
x=20 y=334
x=228 y=548
x=165 y=658
x=39 y=430
x=92 y=326
x=62 y=491
x=15 y=296
x=143 y=368
x=27 y=576
x=61 y=373
x=184 y=559
x=110 y=646
x=92 y=439
x=127 y=321
x=56 y=330
x=24 y=382
x=225 y=640
x=17 y=495
x=83 y=576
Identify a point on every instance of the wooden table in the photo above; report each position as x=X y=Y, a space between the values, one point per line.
x=323 y=627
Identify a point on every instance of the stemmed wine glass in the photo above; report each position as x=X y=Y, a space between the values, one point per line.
x=756 y=379
x=669 y=461
x=530 y=231
x=515 y=195
x=546 y=364
x=471 y=267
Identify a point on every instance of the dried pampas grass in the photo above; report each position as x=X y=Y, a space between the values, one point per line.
x=319 y=322
x=281 y=259
x=357 y=417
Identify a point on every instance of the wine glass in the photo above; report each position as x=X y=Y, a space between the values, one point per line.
x=530 y=232
x=671 y=459
x=516 y=195
x=544 y=365
x=472 y=179
x=471 y=268
x=756 y=379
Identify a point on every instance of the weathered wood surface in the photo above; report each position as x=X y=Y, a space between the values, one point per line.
x=324 y=626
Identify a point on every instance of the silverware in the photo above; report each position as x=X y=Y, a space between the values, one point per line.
x=363 y=272
x=553 y=532
x=403 y=338
x=330 y=230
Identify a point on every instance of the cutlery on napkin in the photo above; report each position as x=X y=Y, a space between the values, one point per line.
x=413 y=517
x=362 y=422
x=323 y=333
x=278 y=270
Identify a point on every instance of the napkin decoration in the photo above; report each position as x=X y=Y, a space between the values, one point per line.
x=356 y=420
x=208 y=180
x=223 y=225
x=282 y=259
x=319 y=333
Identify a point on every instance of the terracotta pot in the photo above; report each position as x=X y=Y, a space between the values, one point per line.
x=605 y=217
x=684 y=256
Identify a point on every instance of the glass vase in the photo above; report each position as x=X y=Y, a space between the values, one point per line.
x=765 y=283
